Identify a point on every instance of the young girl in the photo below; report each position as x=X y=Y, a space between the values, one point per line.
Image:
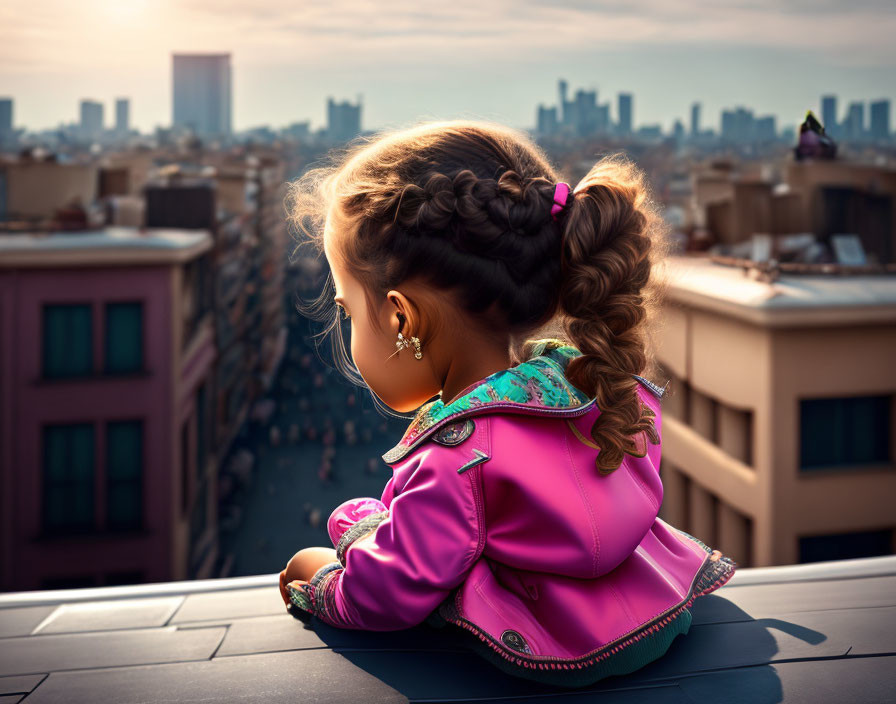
x=523 y=502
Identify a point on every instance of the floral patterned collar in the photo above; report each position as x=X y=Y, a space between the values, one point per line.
x=535 y=386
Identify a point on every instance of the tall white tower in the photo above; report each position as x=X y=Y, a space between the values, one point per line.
x=201 y=85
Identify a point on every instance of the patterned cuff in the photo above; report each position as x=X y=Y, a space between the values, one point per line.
x=323 y=601
x=326 y=569
x=357 y=530
x=305 y=596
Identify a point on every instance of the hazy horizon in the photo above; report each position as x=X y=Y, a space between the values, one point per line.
x=461 y=60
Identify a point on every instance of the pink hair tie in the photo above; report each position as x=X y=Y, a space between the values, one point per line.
x=561 y=191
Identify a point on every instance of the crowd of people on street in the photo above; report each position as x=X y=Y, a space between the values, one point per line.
x=313 y=424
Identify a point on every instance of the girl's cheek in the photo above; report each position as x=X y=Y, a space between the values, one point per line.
x=355 y=345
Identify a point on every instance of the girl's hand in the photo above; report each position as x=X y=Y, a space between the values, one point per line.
x=302 y=567
x=284 y=592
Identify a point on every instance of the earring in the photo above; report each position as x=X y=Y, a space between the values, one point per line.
x=403 y=343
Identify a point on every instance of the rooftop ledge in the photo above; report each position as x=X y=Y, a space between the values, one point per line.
x=106 y=246
x=793 y=300
x=823 y=631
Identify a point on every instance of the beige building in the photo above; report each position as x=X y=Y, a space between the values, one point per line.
x=32 y=190
x=779 y=427
x=821 y=197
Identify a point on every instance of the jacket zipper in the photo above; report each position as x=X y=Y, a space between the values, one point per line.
x=559 y=664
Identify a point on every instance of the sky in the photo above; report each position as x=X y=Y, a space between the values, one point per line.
x=493 y=60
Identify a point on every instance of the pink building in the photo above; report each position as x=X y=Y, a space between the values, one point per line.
x=107 y=474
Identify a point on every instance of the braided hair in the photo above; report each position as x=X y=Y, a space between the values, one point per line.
x=465 y=206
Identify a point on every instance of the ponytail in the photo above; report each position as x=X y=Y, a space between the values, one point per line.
x=612 y=236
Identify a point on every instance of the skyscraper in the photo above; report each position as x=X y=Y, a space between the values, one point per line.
x=343 y=120
x=5 y=115
x=565 y=112
x=201 y=93
x=880 y=119
x=91 y=119
x=854 y=127
x=5 y=119
x=695 y=119
x=122 y=115
x=738 y=125
x=546 y=120
x=829 y=114
x=625 y=113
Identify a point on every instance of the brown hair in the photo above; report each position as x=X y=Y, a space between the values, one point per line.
x=465 y=207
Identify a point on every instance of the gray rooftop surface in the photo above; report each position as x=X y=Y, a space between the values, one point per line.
x=700 y=275
x=804 y=633
x=794 y=300
x=110 y=237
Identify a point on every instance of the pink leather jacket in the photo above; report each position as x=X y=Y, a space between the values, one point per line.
x=497 y=521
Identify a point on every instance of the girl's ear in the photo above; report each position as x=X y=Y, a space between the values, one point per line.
x=402 y=314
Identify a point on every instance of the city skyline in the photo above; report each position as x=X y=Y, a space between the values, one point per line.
x=668 y=59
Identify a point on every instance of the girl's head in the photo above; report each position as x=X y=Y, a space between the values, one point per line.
x=443 y=231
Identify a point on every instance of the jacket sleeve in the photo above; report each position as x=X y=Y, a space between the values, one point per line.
x=351 y=520
x=403 y=561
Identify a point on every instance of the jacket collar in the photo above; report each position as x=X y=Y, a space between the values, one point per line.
x=536 y=386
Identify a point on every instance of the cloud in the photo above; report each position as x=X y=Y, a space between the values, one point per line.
x=522 y=45
x=90 y=34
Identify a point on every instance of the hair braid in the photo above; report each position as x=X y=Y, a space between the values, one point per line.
x=607 y=266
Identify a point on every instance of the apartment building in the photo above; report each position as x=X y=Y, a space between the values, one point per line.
x=779 y=427
x=107 y=471
x=34 y=190
x=821 y=197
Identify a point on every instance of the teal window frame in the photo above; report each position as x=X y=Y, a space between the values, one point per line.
x=67 y=340
x=844 y=432
x=845 y=546
x=69 y=478
x=124 y=338
x=124 y=475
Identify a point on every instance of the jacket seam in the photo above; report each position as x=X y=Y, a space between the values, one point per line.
x=631 y=619
x=634 y=475
x=595 y=549
x=476 y=487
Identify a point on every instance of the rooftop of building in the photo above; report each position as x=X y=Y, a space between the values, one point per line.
x=813 y=632
x=111 y=244
x=793 y=299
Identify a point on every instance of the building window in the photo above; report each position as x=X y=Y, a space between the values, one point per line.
x=197 y=295
x=124 y=338
x=846 y=546
x=840 y=432
x=199 y=548
x=185 y=467
x=67 y=340
x=124 y=475
x=68 y=478
x=202 y=430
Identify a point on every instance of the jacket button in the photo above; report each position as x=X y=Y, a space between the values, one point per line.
x=514 y=640
x=454 y=433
